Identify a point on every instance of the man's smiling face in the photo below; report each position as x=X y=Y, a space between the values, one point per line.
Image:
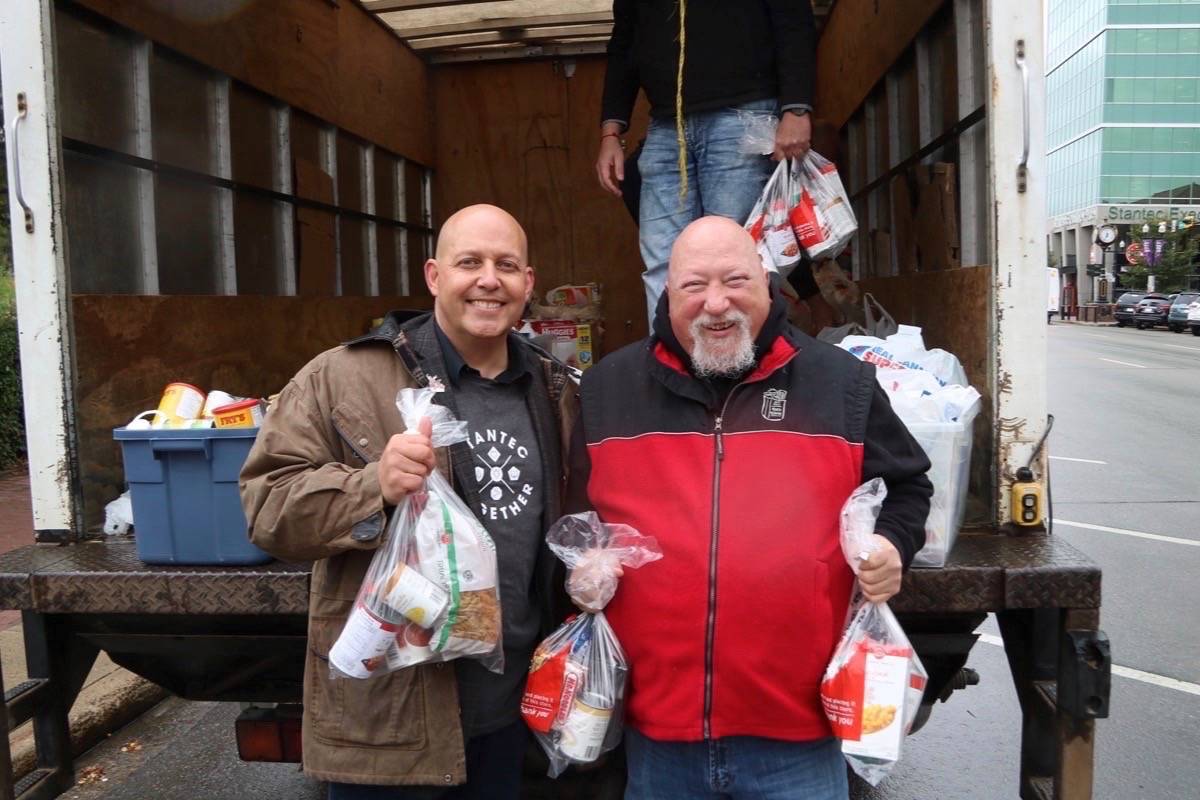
x=480 y=278
x=718 y=296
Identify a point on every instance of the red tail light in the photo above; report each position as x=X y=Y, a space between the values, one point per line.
x=269 y=734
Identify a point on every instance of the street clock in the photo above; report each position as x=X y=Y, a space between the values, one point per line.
x=1107 y=235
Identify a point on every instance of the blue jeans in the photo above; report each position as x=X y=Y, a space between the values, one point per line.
x=734 y=768
x=494 y=762
x=722 y=181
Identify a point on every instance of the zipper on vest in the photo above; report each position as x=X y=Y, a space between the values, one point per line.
x=710 y=629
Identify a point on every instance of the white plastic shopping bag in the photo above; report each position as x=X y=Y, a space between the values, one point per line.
x=770 y=225
x=821 y=214
x=873 y=685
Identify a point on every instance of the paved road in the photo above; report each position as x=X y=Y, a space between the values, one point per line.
x=1124 y=446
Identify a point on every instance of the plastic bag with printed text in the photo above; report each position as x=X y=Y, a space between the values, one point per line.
x=821 y=214
x=574 y=696
x=770 y=226
x=874 y=683
x=430 y=593
x=905 y=349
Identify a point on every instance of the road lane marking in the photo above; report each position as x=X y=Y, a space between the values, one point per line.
x=1138 y=534
x=1124 y=672
x=1122 y=363
x=1080 y=460
x=1179 y=346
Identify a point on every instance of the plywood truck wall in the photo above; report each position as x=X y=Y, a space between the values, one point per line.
x=524 y=135
x=241 y=191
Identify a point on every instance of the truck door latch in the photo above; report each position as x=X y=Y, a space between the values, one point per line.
x=1085 y=674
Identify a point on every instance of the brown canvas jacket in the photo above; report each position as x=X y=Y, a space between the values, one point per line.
x=310 y=492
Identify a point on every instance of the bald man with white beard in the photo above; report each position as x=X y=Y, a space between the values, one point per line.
x=734 y=439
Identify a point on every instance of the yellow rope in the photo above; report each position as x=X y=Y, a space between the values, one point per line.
x=679 y=139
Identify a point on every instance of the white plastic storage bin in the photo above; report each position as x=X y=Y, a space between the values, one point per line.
x=948 y=445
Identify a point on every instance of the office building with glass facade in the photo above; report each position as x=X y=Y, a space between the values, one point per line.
x=1122 y=124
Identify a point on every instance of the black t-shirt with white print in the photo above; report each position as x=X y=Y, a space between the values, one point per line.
x=507 y=466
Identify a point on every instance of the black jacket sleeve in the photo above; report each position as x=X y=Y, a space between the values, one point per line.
x=890 y=452
x=621 y=75
x=795 y=37
x=579 y=472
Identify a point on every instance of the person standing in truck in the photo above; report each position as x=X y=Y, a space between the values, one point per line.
x=333 y=460
x=700 y=62
x=734 y=439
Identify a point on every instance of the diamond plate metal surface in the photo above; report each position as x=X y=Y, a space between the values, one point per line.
x=108 y=577
x=17 y=566
x=985 y=572
x=991 y=572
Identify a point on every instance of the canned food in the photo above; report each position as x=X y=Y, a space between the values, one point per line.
x=584 y=729
x=216 y=398
x=415 y=596
x=180 y=401
x=242 y=414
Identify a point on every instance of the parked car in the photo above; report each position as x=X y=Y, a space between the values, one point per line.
x=1193 y=317
x=1177 y=318
x=1126 y=306
x=1152 y=310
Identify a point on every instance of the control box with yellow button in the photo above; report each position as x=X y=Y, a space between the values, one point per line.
x=1027 y=499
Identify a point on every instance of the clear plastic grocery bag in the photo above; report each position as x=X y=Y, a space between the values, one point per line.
x=820 y=214
x=574 y=696
x=431 y=591
x=769 y=224
x=873 y=685
x=596 y=553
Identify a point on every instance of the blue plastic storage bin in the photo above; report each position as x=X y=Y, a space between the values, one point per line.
x=184 y=488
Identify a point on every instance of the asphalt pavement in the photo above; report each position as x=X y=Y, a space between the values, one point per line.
x=1126 y=491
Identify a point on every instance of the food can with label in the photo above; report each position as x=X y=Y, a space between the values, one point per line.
x=585 y=726
x=180 y=401
x=243 y=414
x=216 y=398
x=416 y=597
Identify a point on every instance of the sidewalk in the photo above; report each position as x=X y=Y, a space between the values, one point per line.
x=111 y=696
x=1105 y=324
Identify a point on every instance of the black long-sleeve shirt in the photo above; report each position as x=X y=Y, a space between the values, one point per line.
x=735 y=52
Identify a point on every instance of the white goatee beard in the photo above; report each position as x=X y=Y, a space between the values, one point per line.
x=726 y=359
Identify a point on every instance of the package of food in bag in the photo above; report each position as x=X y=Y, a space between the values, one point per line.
x=770 y=226
x=874 y=683
x=872 y=690
x=574 y=695
x=431 y=591
x=822 y=216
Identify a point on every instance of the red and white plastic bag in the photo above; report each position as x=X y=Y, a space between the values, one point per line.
x=874 y=683
x=803 y=207
x=770 y=226
x=431 y=592
x=574 y=696
x=821 y=215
